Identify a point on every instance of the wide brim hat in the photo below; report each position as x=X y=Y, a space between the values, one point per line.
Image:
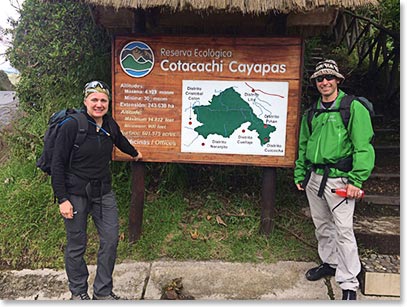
x=327 y=67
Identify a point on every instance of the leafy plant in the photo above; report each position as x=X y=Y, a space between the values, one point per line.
x=57 y=48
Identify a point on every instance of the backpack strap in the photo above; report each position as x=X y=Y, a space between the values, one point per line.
x=314 y=111
x=82 y=122
x=81 y=134
x=344 y=108
x=310 y=115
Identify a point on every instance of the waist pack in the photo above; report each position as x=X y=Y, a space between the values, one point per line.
x=344 y=165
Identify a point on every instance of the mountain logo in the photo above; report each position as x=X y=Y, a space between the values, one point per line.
x=137 y=59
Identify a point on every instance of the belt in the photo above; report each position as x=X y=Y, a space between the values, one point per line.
x=344 y=165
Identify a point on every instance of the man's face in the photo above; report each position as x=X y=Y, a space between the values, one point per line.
x=97 y=104
x=327 y=86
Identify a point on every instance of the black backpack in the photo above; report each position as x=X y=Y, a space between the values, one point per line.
x=344 y=109
x=54 y=123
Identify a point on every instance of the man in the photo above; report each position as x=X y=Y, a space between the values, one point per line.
x=81 y=181
x=332 y=156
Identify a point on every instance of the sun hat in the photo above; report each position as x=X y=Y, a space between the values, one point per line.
x=327 y=67
x=96 y=87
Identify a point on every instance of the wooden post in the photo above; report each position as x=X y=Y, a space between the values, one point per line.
x=137 y=201
x=268 y=200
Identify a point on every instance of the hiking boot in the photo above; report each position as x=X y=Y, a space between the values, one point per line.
x=319 y=272
x=83 y=296
x=348 y=295
x=110 y=297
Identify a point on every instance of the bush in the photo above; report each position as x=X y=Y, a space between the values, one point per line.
x=57 y=49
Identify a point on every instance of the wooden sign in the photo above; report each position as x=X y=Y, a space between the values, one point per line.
x=209 y=100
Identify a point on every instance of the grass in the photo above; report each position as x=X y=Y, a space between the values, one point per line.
x=191 y=212
x=215 y=217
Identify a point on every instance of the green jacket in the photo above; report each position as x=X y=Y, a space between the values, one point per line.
x=331 y=142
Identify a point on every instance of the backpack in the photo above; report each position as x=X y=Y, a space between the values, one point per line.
x=344 y=109
x=54 y=123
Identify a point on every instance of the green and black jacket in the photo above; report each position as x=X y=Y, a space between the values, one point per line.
x=330 y=142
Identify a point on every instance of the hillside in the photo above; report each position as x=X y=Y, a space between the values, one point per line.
x=5 y=83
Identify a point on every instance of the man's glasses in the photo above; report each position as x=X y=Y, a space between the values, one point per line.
x=327 y=77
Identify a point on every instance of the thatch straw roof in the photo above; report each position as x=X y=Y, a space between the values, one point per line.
x=244 y=6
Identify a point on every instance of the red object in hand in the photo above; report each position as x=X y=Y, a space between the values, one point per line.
x=343 y=193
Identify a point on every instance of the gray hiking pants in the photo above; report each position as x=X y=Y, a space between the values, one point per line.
x=337 y=244
x=107 y=225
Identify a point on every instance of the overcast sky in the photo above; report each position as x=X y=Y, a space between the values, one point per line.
x=7 y=10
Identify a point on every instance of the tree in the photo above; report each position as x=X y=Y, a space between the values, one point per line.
x=57 y=48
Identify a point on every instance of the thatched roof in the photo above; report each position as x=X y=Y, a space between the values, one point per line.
x=244 y=6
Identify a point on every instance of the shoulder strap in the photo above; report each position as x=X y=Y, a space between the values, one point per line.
x=344 y=108
x=81 y=134
x=310 y=115
x=82 y=129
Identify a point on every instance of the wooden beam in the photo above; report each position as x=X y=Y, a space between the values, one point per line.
x=137 y=201
x=268 y=195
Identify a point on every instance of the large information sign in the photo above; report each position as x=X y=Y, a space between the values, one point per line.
x=210 y=100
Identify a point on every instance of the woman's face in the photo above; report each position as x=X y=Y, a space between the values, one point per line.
x=97 y=105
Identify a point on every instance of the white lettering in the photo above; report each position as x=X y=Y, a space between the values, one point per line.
x=263 y=69
x=212 y=66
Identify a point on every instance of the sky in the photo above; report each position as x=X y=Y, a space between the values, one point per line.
x=7 y=10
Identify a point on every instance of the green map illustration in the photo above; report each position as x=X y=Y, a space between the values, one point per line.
x=240 y=117
x=227 y=112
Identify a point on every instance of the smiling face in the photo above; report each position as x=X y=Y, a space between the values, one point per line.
x=97 y=105
x=328 y=89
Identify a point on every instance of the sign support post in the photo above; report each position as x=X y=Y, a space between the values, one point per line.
x=268 y=200
x=137 y=201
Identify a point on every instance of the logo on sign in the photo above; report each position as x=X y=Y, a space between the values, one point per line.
x=137 y=59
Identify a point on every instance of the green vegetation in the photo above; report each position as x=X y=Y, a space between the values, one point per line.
x=57 y=48
x=216 y=217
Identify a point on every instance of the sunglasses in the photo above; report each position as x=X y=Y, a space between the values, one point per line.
x=327 y=77
x=91 y=87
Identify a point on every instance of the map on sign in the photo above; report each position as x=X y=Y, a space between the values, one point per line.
x=234 y=117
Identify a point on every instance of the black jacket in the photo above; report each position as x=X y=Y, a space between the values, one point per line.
x=90 y=165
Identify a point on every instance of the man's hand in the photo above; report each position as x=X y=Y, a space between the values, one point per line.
x=66 y=209
x=299 y=187
x=353 y=192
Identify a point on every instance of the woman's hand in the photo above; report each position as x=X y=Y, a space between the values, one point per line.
x=66 y=209
x=138 y=157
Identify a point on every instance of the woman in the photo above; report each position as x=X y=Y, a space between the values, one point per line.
x=81 y=180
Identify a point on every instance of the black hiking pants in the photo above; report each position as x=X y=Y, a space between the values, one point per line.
x=107 y=224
